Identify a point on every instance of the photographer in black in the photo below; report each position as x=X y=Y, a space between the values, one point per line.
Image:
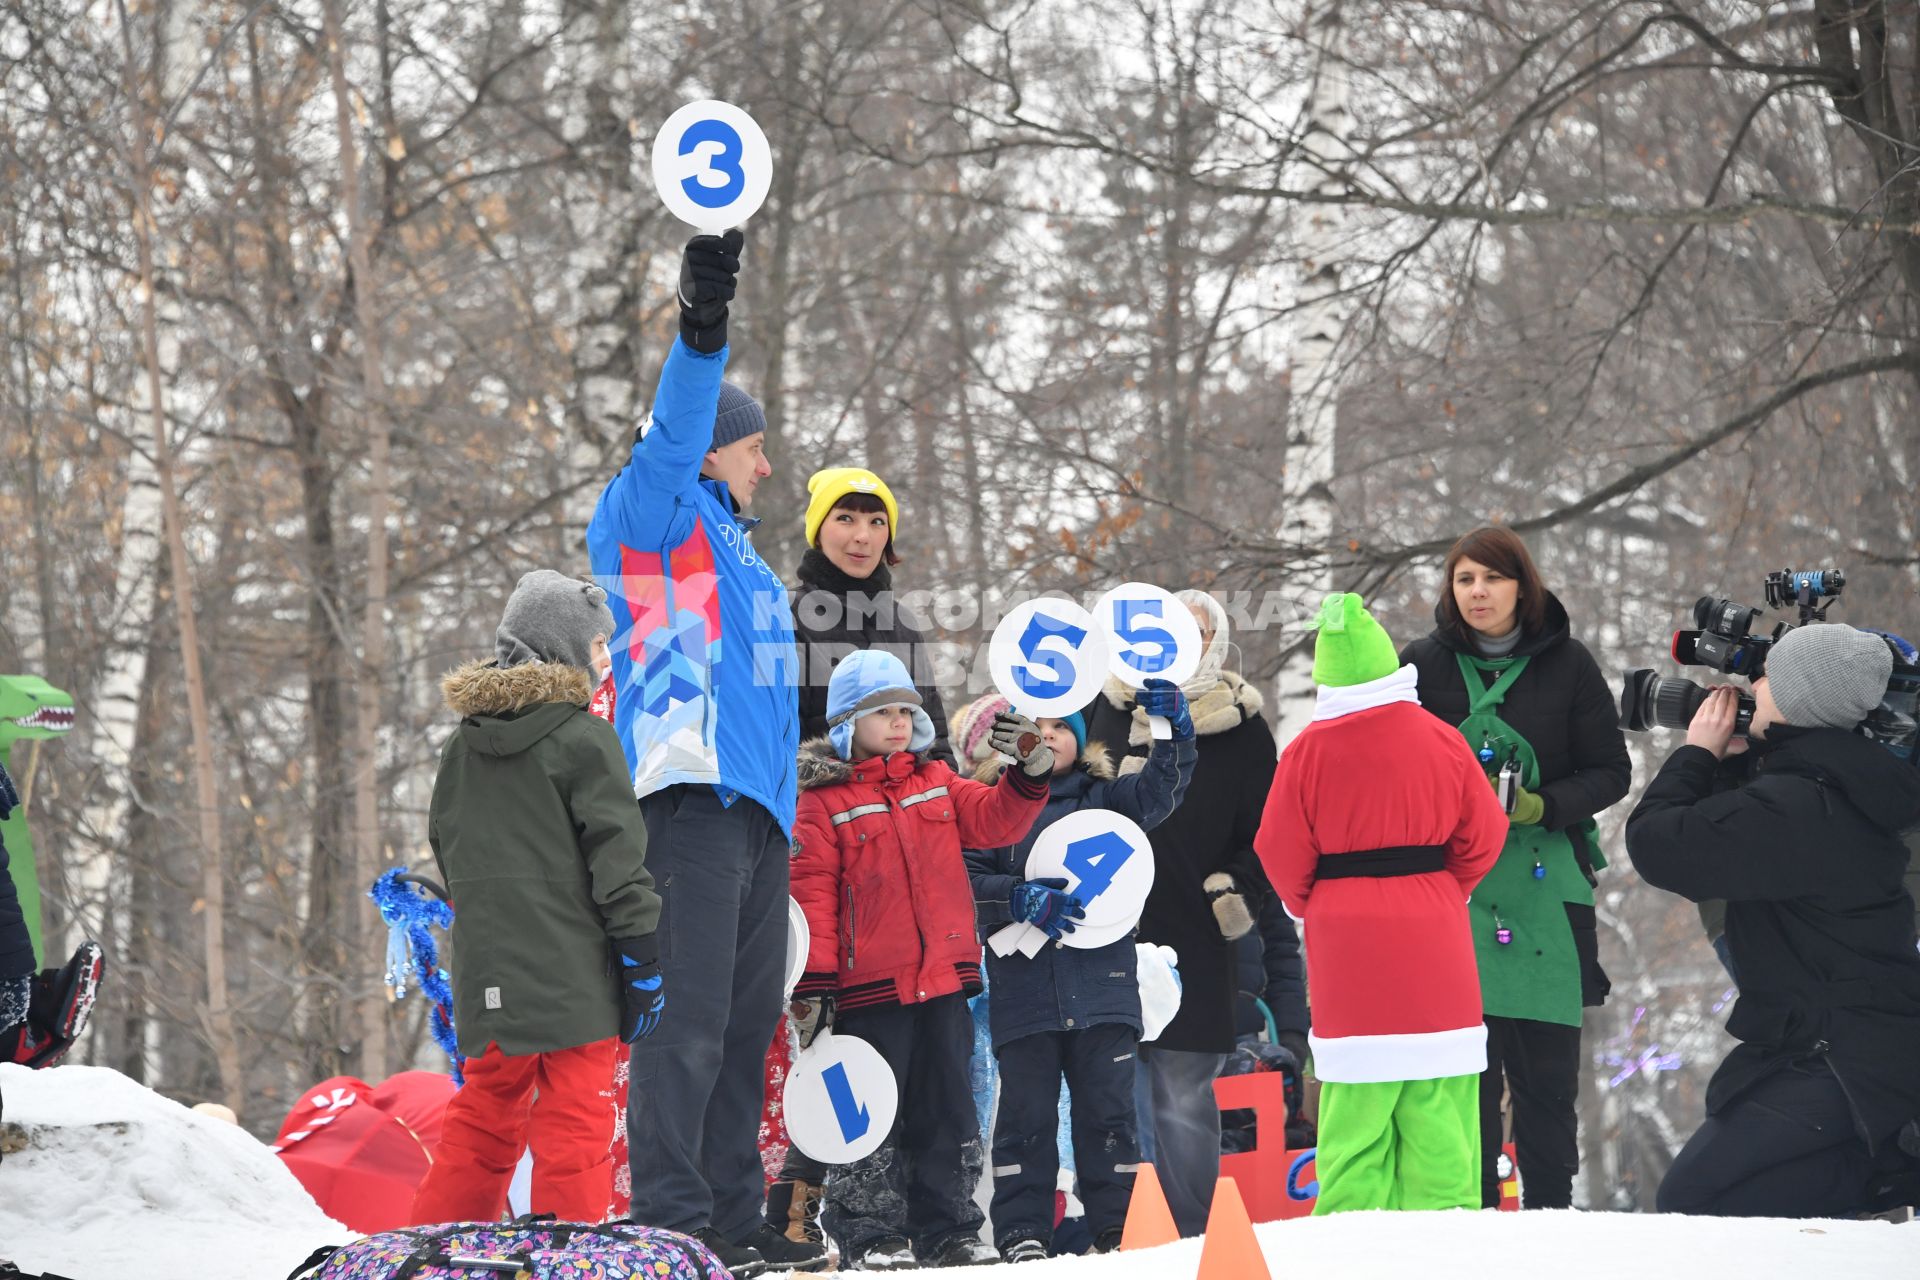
x=1806 y=1115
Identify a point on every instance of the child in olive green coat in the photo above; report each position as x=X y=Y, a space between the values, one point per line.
x=536 y=829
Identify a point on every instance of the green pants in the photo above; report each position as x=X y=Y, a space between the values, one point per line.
x=1402 y=1144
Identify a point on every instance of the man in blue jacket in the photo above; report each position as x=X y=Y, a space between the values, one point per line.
x=704 y=668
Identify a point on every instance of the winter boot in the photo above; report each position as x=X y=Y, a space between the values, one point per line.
x=1025 y=1249
x=961 y=1251
x=740 y=1260
x=61 y=1003
x=783 y=1254
x=793 y=1209
x=889 y=1253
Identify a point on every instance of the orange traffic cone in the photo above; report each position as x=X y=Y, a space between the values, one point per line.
x=1149 y=1217
x=1231 y=1252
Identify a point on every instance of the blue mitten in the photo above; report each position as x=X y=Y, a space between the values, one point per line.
x=1047 y=906
x=1163 y=698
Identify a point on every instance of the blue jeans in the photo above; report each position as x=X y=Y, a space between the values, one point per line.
x=1184 y=1130
x=693 y=1104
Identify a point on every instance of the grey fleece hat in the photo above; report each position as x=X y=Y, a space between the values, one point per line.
x=1827 y=675
x=552 y=618
x=739 y=415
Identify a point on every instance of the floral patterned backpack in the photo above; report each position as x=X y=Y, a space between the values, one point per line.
x=532 y=1248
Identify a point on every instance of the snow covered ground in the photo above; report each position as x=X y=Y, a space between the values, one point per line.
x=117 y=1181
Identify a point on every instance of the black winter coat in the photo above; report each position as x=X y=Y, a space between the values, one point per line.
x=835 y=615
x=1819 y=923
x=1069 y=988
x=1561 y=705
x=1269 y=966
x=1211 y=831
x=16 y=944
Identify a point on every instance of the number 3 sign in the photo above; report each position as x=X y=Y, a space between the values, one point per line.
x=712 y=165
x=1108 y=865
x=1048 y=657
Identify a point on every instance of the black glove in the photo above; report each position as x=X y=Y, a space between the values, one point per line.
x=1295 y=1043
x=1016 y=736
x=642 y=994
x=811 y=1015
x=708 y=267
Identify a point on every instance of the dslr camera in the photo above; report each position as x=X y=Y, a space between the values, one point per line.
x=1724 y=638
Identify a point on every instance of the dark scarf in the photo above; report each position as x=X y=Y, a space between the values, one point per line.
x=822 y=574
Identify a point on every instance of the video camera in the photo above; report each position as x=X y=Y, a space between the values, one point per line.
x=1723 y=640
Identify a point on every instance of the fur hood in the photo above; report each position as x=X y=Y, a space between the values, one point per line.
x=1096 y=762
x=484 y=688
x=1227 y=705
x=821 y=766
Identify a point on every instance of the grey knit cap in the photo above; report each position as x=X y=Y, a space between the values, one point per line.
x=1827 y=675
x=552 y=618
x=739 y=416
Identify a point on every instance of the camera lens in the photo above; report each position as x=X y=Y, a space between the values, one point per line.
x=1648 y=699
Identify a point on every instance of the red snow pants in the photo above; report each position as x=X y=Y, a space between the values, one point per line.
x=560 y=1104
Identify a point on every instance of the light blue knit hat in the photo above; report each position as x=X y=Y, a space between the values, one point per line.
x=865 y=682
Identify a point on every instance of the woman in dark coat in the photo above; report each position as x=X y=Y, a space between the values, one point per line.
x=844 y=602
x=1503 y=665
x=1207 y=885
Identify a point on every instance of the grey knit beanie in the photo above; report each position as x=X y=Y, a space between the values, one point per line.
x=1827 y=675
x=552 y=618
x=738 y=417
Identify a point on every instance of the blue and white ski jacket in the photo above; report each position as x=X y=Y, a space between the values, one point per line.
x=704 y=666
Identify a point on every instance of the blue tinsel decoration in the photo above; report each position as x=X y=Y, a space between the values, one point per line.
x=409 y=911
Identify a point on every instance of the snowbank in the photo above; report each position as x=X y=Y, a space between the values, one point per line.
x=118 y=1181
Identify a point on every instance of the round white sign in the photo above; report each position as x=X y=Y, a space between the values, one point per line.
x=799 y=942
x=1048 y=657
x=1150 y=634
x=840 y=1099
x=1107 y=863
x=712 y=165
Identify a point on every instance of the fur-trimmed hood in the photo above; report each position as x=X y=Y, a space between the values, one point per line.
x=1096 y=762
x=1229 y=704
x=821 y=766
x=485 y=688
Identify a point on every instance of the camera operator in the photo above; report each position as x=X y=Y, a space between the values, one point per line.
x=1803 y=1116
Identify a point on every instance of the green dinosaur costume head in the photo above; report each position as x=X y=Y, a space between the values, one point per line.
x=30 y=709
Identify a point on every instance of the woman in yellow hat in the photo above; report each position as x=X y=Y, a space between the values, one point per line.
x=843 y=603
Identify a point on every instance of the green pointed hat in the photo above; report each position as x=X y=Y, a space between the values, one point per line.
x=1352 y=647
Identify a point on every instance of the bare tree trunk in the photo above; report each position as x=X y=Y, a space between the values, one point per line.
x=1307 y=520
x=373 y=642
x=219 y=1015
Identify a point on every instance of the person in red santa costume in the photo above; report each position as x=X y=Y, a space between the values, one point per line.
x=1379 y=824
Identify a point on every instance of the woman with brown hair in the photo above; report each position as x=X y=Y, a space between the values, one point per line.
x=1502 y=664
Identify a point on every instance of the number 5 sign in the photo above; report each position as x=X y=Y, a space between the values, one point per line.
x=840 y=1099
x=1108 y=865
x=1150 y=635
x=712 y=165
x=1048 y=657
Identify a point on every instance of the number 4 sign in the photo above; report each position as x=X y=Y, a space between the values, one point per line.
x=1107 y=864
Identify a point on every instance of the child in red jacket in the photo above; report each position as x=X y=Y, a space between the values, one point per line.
x=878 y=869
x=1379 y=824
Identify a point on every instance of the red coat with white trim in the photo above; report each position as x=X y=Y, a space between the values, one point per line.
x=1390 y=964
x=878 y=868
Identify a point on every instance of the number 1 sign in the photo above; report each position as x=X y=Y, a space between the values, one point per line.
x=1108 y=865
x=840 y=1099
